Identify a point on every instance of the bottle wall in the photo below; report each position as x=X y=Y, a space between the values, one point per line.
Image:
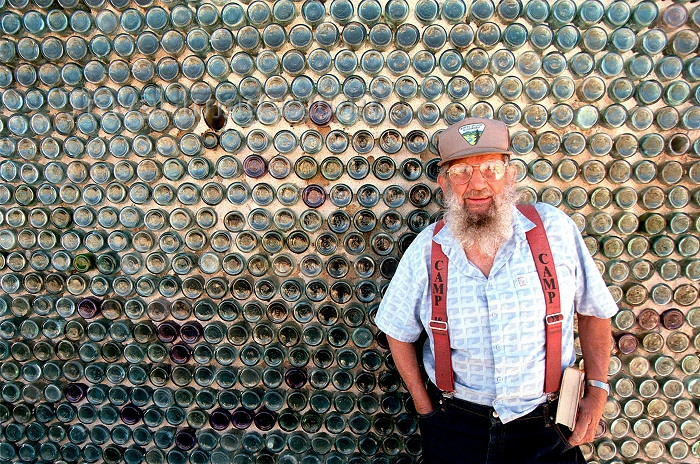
x=201 y=204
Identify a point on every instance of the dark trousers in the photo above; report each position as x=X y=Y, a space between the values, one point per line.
x=467 y=433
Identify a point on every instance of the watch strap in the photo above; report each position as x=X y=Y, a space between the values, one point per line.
x=599 y=384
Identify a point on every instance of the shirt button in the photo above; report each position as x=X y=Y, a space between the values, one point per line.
x=499 y=379
x=493 y=314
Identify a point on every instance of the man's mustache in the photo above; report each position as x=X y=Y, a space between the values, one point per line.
x=483 y=193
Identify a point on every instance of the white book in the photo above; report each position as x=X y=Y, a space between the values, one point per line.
x=570 y=393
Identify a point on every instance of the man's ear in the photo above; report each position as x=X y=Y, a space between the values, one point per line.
x=511 y=171
x=442 y=182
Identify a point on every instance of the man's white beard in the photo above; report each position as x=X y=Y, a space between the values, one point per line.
x=487 y=230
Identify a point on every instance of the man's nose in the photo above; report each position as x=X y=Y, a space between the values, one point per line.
x=477 y=182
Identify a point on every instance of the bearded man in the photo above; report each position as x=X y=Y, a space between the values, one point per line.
x=488 y=398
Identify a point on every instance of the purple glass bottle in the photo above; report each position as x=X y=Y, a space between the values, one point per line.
x=241 y=418
x=75 y=392
x=320 y=113
x=254 y=166
x=191 y=332
x=180 y=353
x=185 y=438
x=313 y=196
x=89 y=307
x=265 y=419
x=219 y=419
x=130 y=414
x=168 y=331
x=295 y=378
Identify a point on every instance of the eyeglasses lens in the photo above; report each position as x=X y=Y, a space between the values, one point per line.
x=490 y=171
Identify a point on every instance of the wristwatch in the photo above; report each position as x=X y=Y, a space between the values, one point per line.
x=599 y=384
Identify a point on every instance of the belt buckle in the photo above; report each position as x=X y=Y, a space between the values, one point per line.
x=445 y=398
x=550 y=409
x=552 y=319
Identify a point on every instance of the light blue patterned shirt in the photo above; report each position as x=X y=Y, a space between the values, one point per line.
x=496 y=324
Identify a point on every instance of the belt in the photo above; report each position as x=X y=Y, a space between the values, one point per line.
x=547 y=409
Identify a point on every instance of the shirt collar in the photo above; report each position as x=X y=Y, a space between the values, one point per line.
x=521 y=224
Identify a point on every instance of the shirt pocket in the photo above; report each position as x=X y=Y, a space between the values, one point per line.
x=526 y=327
x=529 y=289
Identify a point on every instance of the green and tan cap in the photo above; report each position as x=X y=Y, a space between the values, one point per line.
x=473 y=136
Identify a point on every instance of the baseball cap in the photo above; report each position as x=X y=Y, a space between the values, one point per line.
x=473 y=136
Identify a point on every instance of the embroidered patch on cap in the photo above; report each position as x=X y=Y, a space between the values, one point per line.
x=472 y=132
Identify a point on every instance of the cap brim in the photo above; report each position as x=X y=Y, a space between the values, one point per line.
x=468 y=153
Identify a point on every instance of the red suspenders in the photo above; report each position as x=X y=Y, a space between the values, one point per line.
x=444 y=375
x=542 y=255
x=544 y=262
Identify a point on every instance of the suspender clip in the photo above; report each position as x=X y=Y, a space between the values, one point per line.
x=552 y=319
x=434 y=324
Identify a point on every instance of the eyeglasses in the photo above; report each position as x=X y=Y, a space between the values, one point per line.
x=491 y=170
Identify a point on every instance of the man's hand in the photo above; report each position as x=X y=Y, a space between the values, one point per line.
x=424 y=407
x=594 y=335
x=406 y=360
x=590 y=410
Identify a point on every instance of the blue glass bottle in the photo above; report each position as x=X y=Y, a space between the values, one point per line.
x=427 y=11
x=589 y=13
x=669 y=68
x=354 y=35
x=651 y=42
x=407 y=36
x=509 y=10
x=562 y=13
x=644 y=15
x=453 y=11
x=461 y=36
x=622 y=39
x=301 y=37
x=567 y=38
x=369 y=12
x=617 y=14
x=648 y=92
x=684 y=42
x=381 y=36
x=537 y=11
x=326 y=34
x=313 y=12
x=283 y=12
x=396 y=11
x=515 y=36
x=342 y=11
x=592 y=89
x=259 y=14
x=488 y=35
x=481 y=11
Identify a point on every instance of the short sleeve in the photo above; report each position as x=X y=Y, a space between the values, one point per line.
x=592 y=295
x=399 y=311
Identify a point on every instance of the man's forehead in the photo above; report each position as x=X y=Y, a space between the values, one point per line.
x=477 y=159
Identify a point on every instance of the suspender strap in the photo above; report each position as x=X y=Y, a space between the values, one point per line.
x=544 y=262
x=444 y=375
